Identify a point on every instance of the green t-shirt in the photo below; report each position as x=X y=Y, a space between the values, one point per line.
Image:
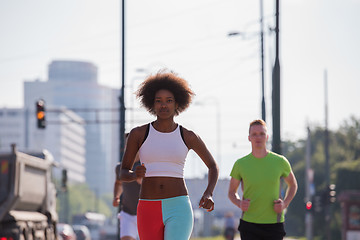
x=261 y=179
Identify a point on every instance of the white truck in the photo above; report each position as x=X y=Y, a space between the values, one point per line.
x=27 y=196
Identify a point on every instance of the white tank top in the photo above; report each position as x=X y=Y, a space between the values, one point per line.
x=163 y=153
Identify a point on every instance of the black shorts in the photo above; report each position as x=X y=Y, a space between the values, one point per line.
x=256 y=231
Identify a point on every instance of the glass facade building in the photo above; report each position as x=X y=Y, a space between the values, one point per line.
x=73 y=85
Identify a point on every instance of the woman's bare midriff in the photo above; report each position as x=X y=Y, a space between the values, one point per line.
x=162 y=187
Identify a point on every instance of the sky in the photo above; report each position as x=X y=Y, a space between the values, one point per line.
x=318 y=38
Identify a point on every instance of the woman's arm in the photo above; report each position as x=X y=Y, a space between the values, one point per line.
x=194 y=142
x=133 y=144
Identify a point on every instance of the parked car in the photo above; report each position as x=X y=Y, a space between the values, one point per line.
x=82 y=232
x=66 y=231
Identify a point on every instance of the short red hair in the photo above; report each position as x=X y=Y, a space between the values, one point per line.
x=257 y=122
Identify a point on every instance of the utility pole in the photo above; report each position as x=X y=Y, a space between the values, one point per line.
x=276 y=142
x=327 y=163
x=263 y=106
x=308 y=182
x=122 y=97
x=263 y=110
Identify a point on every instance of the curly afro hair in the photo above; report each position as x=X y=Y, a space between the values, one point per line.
x=169 y=81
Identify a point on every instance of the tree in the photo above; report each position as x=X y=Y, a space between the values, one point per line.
x=82 y=199
x=345 y=172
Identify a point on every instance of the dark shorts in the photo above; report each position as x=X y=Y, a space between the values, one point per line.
x=229 y=233
x=256 y=231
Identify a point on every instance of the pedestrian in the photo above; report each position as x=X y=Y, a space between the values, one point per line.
x=230 y=226
x=128 y=192
x=260 y=174
x=164 y=209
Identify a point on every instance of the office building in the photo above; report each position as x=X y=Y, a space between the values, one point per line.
x=65 y=140
x=73 y=84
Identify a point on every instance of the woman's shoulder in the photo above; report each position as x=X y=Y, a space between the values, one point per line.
x=191 y=139
x=139 y=134
x=139 y=130
x=187 y=132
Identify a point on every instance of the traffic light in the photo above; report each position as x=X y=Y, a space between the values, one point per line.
x=328 y=195
x=40 y=114
x=318 y=203
x=308 y=205
x=332 y=193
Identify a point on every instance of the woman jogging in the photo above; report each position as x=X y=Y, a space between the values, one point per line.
x=164 y=209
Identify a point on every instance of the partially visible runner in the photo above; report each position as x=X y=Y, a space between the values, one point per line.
x=128 y=192
x=230 y=226
x=260 y=174
x=164 y=210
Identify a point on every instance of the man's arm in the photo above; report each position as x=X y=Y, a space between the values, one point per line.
x=234 y=196
x=118 y=189
x=291 y=189
x=232 y=193
x=292 y=186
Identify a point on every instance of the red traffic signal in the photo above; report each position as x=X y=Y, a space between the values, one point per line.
x=308 y=205
x=40 y=114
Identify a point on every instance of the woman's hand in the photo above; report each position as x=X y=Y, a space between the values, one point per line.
x=206 y=202
x=140 y=171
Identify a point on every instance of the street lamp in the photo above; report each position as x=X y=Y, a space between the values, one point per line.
x=245 y=35
x=214 y=100
x=138 y=70
x=146 y=71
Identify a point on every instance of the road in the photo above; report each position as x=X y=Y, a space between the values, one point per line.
x=286 y=238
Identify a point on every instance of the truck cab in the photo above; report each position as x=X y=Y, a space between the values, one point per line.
x=27 y=196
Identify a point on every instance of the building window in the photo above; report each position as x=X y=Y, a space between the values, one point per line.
x=12 y=113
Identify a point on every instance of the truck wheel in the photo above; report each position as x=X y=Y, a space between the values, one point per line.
x=49 y=233
x=26 y=234
x=21 y=236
